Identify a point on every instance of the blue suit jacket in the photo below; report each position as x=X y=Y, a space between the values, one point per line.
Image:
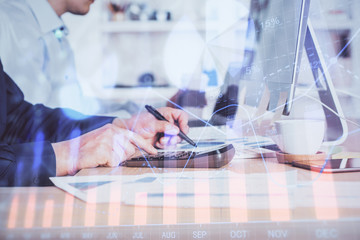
x=27 y=131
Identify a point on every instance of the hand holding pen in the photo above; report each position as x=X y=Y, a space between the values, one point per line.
x=159 y=116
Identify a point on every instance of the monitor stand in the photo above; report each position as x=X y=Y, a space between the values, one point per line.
x=336 y=126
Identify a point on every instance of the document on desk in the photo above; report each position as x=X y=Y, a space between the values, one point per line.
x=183 y=189
x=245 y=146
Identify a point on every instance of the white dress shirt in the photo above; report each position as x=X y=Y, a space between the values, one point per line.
x=36 y=53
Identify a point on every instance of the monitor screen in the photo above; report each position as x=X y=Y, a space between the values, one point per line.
x=279 y=36
x=274 y=40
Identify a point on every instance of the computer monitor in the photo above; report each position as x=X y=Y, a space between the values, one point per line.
x=278 y=32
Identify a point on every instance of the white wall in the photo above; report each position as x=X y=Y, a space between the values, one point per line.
x=120 y=58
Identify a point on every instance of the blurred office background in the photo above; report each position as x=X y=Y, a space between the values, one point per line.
x=122 y=46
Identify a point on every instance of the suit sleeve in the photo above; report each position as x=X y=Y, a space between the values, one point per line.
x=28 y=164
x=26 y=155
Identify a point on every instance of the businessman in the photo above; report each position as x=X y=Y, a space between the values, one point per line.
x=37 y=142
x=33 y=38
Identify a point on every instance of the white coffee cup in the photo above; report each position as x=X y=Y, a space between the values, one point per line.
x=299 y=136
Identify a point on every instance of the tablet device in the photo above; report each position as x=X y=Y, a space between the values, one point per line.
x=215 y=157
x=331 y=165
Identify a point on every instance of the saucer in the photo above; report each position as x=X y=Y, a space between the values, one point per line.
x=289 y=158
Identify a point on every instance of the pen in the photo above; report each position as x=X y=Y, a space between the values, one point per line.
x=158 y=116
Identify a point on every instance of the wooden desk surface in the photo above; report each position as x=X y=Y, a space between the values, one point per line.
x=48 y=212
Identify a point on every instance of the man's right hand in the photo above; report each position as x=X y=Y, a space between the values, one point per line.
x=105 y=146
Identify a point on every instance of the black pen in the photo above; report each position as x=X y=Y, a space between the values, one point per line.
x=158 y=116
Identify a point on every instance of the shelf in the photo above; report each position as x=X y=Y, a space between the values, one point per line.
x=137 y=26
x=149 y=26
x=124 y=94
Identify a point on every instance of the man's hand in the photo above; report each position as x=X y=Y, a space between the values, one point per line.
x=105 y=146
x=146 y=125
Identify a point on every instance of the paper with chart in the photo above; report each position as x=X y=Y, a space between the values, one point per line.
x=177 y=189
x=219 y=189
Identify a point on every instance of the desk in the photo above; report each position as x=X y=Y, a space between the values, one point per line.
x=48 y=212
